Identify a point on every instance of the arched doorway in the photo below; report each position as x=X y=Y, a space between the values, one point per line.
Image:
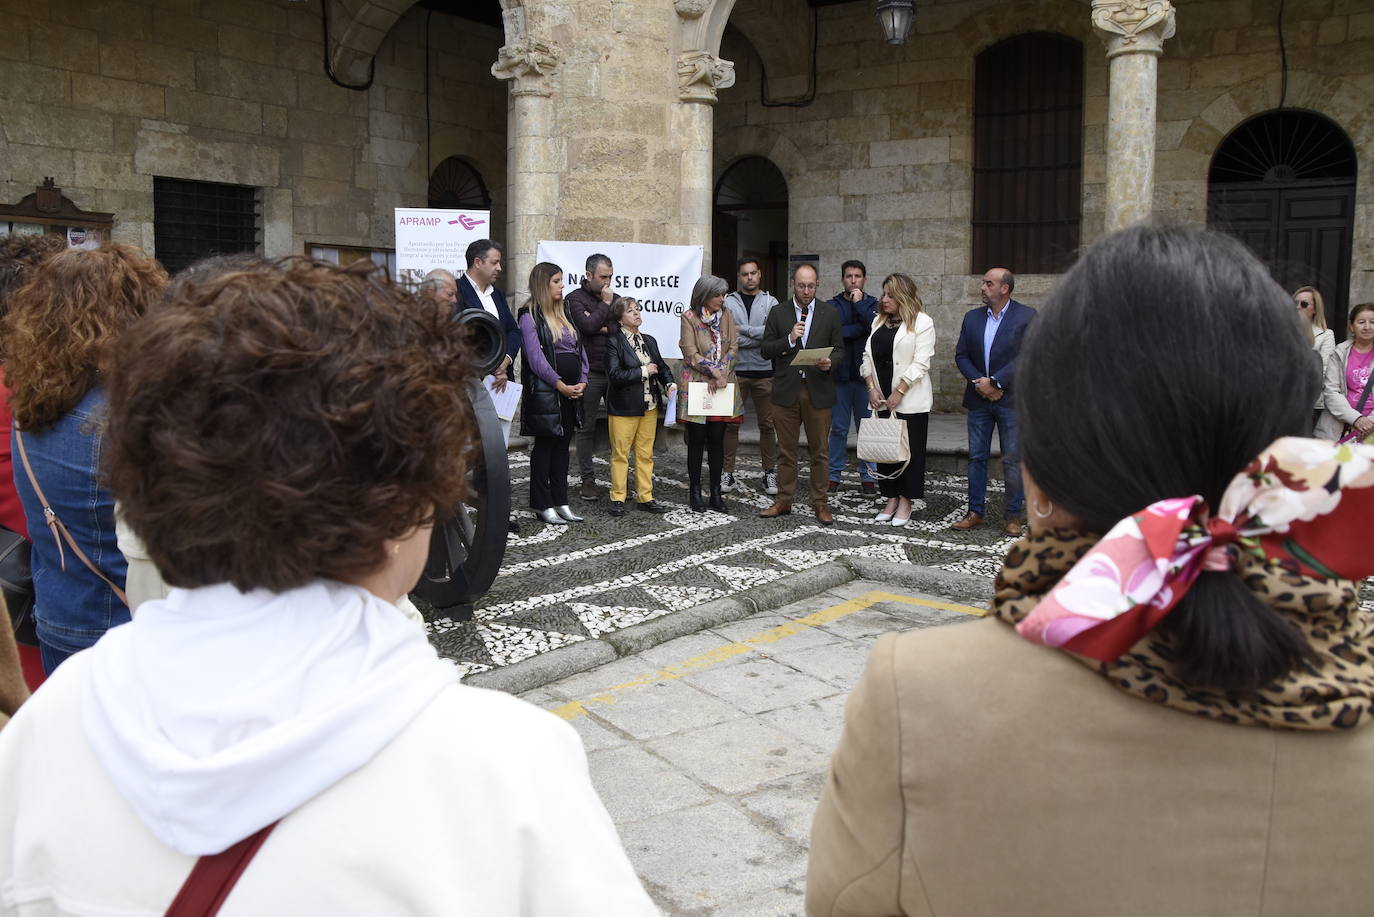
x=751 y=219
x=456 y=185
x=1284 y=184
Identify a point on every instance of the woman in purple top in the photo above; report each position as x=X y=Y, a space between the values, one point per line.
x=554 y=375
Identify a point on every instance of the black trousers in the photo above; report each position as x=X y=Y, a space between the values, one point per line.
x=911 y=483
x=549 y=457
x=708 y=437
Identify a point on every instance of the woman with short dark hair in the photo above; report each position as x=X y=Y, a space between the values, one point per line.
x=58 y=341
x=1176 y=671
x=282 y=439
x=639 y=384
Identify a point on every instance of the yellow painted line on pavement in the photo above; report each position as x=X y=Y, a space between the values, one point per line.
x=578 y=708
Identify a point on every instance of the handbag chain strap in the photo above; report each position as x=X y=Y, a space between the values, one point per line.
x=56 y=526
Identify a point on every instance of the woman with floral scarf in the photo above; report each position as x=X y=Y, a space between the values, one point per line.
x=710 y=348
x=1167 y=710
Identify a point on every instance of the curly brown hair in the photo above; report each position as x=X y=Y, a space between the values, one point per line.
x=276 y=424
x=19 y=255
x=63 y=321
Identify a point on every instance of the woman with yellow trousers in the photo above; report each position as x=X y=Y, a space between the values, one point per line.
x=639 y=383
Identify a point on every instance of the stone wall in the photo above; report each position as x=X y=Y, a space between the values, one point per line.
x=103 y=95
x=879 y=164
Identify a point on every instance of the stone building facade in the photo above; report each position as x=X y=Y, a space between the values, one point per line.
x=616 y=119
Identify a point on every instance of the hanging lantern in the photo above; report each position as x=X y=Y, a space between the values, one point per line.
x=895 y=17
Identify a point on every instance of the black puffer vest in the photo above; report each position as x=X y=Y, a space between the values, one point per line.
x=541 y=409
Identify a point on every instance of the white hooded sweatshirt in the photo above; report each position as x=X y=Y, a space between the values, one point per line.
x=216 y=713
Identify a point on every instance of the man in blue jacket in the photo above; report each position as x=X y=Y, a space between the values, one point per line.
x=856 y=309
x=989 y=342
x=477 y=290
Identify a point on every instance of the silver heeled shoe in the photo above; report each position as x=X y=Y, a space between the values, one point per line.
x=550 y=517
x=883 y=517
x=566 y=512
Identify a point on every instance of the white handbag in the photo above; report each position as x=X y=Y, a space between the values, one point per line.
x=885 y=440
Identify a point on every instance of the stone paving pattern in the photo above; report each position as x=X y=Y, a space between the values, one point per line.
x=563 y=584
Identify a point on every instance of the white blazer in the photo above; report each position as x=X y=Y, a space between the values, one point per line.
x=911 y=355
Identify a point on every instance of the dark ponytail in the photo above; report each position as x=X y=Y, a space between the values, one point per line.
x=1163 y=362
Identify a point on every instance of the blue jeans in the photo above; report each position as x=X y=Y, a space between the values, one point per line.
x=980 y=423
x=72 y=607
x=851 y=402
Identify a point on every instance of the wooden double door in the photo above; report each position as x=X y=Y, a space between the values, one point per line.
x=1301 y=231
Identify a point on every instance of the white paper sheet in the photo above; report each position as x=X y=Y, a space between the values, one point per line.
x=507 y=402
x=811 y=356
x=701 y=401
x=670 y=407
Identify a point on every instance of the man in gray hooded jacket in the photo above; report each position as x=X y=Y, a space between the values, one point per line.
x=753 y=374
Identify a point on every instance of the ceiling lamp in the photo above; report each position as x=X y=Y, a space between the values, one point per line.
x=895 y=17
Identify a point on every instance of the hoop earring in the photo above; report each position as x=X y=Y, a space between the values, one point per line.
x=1042 y=514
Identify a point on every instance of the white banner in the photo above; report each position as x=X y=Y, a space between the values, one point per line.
x=427 y=239
x=659 y=276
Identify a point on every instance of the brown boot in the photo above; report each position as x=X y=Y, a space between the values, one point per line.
x=970 y=521
x=776 y=510
x=1015 y=526
x=823 y=514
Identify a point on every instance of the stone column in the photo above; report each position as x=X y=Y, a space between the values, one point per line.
x=700 y=74
x=533 y=152
x=1134 y=32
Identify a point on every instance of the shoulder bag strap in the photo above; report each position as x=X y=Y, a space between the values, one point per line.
x=1364 y=396
x=213 y=877
x=57 y=528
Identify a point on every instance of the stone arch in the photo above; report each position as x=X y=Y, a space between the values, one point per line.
x=992 y=24
x=357 y=28
x=1333 y=97
x=1330 y=96
x=777 y=148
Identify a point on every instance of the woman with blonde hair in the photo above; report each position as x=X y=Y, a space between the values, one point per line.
x=896 y=367
x=56 y=343
x=1322 y=338
x=554 y=373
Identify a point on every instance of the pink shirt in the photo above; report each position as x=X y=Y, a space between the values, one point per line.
x=1357 y=369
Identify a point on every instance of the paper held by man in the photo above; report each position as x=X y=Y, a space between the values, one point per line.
x=811 y=356
x=702 y=402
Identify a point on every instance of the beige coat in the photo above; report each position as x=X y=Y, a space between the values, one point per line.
x=979 y=774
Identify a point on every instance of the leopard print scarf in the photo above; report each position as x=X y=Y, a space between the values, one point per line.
x=1333 y=692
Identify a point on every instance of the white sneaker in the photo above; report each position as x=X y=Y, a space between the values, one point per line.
x=770 y=483
x=727 y=482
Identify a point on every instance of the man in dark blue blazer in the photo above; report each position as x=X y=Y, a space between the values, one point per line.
x=989 y=342
x=477 y=290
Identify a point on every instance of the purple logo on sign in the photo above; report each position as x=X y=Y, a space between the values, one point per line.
x=466 y=222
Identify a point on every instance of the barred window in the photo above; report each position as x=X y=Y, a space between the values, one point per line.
x=1028 y=154
x=196 y=219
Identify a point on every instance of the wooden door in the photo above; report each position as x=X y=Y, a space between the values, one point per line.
x=1302 y=232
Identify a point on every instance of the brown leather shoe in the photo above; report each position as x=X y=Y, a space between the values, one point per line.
x=776 y=510
x=970 y=521
x=1015 y=526
x=823 y=514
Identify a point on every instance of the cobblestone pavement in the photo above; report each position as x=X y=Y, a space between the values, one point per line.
x=710 y=750
x=564 y=584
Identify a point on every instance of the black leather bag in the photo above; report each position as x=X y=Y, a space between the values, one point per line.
x=16 y=583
